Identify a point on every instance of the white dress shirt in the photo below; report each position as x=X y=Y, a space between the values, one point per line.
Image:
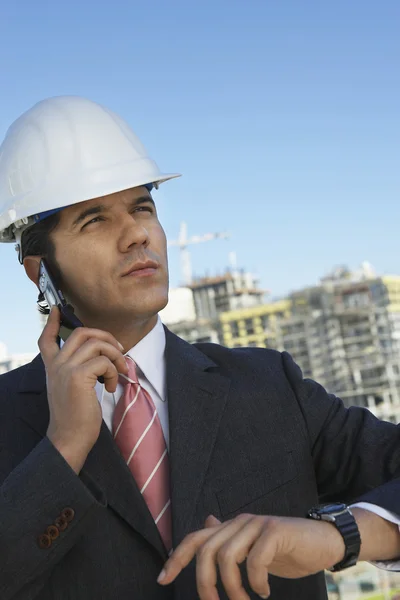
x=149 y=356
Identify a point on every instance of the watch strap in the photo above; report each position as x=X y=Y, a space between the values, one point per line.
x=348 y=528
x=342 y=518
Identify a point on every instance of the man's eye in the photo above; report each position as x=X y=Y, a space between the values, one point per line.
x=144 y=208
x=94 y=220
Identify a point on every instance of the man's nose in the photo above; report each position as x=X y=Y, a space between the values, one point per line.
x=132 y=233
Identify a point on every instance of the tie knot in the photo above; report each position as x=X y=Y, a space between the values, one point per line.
x=131 y=376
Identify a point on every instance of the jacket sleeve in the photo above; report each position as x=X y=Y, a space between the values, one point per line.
x=353 y=451
x=41 y=492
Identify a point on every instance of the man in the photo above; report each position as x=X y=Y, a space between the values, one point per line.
x=195 y=450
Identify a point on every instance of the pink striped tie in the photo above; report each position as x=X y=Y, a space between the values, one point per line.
x=139 y=436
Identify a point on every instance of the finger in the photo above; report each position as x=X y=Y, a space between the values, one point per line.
x=47 y=342
x=260 y=557
x=183 y=554
x=100 y=366
x=81 y=334
x=207 y=558
x=233 y=553
x=212 y=521
x=94 y=347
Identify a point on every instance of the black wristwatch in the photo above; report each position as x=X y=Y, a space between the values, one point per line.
x=341 y=516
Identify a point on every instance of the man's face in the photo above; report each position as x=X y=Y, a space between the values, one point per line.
x=112 y=254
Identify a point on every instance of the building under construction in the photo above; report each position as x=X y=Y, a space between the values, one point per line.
x=344 y=333
x=231 y=291
x=194 y=311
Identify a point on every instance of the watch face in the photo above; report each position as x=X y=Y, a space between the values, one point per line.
x=329 y=509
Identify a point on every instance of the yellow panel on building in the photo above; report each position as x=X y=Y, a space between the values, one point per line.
x=247 y=326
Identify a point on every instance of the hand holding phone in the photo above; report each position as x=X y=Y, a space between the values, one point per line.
x=71 y=373
x=54 y=297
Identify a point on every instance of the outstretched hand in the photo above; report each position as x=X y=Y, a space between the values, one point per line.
x=283 y=546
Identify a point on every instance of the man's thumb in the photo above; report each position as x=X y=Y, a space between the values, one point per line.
x=48 y=340
x=53 y=320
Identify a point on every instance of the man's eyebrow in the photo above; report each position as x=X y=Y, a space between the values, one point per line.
x=93 y=210
x=99 y=208
x=142 y=200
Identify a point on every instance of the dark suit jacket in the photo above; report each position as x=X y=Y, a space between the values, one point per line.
x=247 y=434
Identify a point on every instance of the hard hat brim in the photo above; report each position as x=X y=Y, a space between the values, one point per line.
x=24 y=210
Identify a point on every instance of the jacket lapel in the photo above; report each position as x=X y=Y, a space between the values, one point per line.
x=196 y=400
x=104 y=464
x=107 y=467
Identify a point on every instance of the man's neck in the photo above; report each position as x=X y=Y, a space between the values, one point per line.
x=130 y=336
x=128 y=333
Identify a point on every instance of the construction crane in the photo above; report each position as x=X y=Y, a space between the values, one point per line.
x=183 y=242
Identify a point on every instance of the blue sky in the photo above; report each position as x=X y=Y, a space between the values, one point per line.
x=282 y=116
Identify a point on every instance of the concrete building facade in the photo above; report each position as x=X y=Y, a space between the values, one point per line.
x=344 y=333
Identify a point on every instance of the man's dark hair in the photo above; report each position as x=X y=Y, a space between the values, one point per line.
x=36 y=241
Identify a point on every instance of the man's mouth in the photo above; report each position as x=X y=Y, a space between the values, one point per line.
x=142 y=269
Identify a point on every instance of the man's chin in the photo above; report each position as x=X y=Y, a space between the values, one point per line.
x=141 y=311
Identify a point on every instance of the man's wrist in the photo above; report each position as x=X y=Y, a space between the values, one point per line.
x=74 y=454
x=337 y=547
x=381 y=538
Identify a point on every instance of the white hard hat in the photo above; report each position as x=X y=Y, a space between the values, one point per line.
x=62 y=151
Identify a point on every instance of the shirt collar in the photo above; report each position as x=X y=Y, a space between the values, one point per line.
x=148 y=354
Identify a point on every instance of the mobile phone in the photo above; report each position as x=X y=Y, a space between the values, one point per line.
x=54 y=297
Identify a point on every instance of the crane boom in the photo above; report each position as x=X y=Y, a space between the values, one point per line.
x=183 y=242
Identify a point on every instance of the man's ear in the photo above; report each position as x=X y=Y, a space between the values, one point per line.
x=31 y=266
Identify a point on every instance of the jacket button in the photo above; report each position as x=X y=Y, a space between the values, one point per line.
x=53 y=532
x=61 y=523
x=68 y=514
x=44 y=541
